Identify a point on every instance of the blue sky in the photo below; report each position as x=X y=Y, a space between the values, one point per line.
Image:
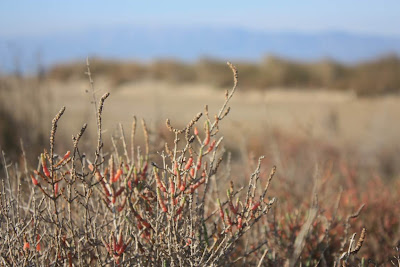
x=22 y=17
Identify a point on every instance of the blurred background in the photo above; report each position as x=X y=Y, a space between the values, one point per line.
x=321 y=73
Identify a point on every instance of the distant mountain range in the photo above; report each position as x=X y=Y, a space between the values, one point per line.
x=189 y=44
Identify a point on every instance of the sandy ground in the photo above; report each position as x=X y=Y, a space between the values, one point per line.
x=337 y=117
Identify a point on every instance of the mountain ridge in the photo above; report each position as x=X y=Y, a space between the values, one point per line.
x=190 y=44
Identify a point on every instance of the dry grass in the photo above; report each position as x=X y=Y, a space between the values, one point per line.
x=192 y=202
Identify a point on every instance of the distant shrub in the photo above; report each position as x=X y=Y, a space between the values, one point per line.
x=375 y=77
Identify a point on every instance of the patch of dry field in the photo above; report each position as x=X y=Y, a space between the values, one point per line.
x=339 y=118
x=334 y=116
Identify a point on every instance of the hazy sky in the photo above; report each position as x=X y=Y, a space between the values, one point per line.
x=20 y=17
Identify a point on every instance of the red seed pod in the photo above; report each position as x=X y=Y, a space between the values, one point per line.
x=207 y=140
x=34 y=180
x=161 y=201
x=130 y=184
x=211 y=147
x=122 y=250
x=196 y=131
x=146 y=224
x=66 y=156
x=240 y=223
x=26 y=246
x=44 y=166
x=255 y=206
x=179 y=210
x=106 y=191
x=199 y=162
x=98 y=176
x=91 y=168
x=231 y=207
x=182 y=187
x=159 y=182
x=183 y=184
x=192 y=173
x=117 y=176
x=171 y=186
x=147 y=234
x=197 y=185
x=189 y=163
x=55 y=189
x=172 y=190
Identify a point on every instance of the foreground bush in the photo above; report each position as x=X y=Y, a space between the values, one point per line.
x=130 y=206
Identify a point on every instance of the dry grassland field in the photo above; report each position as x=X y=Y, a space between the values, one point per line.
x=337 y=117
x=337 y=174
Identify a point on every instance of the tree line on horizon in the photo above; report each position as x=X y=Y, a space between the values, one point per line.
x=375 y=77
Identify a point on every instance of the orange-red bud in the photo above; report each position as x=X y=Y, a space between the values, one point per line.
x=255 y=206
x=26 y=246
x=161 y=201
x=34 y=180
x=189 y=163
x=159 y=182
x=44 y=166
x=55 y=189
x=117 y=176
x=240 y=223
x=211 y=147
x=67 y=155
x=199 y=163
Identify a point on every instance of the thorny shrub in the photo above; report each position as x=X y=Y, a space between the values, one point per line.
x=133 y=207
